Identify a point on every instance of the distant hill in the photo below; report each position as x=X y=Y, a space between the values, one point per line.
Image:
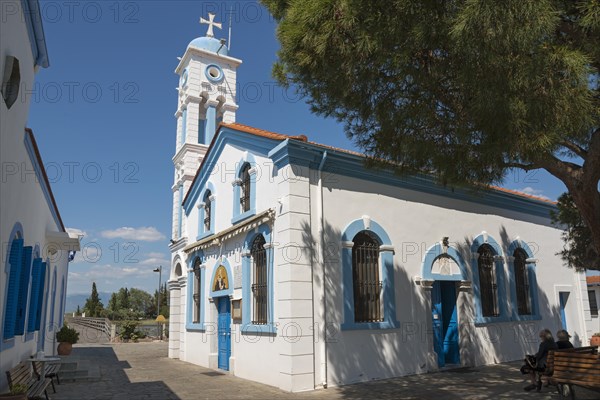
x=75 y=300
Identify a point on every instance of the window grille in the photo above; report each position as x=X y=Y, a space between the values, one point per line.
x=259 y=286
x=207 y=210
x=522 y=283
x=593 y=303
x=365 y=276
x=488 y=289
x=245 y=188
x=197 y=291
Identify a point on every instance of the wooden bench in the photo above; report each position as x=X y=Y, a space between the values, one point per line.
x=24 y=375
x=570 y=367
x=50 y=371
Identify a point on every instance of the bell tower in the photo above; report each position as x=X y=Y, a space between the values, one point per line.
x=206 y=97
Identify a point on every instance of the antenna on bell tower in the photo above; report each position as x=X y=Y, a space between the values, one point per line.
x=230 y=15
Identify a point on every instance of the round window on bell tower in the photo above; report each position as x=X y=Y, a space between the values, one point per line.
x=214 y=73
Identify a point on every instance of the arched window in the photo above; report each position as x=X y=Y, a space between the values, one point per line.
x=207 y=211
x=487 y=281
x=365 y=278
x=245 y=187
x=522 y=282
x=197 y=291
x=260 y=281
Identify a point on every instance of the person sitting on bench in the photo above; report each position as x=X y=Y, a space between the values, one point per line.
x=563 y=340
x=536 y=368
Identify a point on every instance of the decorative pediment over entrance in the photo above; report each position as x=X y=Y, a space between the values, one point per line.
x=445 y=265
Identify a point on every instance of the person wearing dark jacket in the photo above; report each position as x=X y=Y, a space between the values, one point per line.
x=547 y=343
x=563 y=340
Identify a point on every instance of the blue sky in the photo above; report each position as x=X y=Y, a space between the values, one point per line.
x=103 y=117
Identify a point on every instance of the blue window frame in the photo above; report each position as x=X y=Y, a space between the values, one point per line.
x=36 y=279
x=244 y=190
x=53 y=303
x=489 y=287
x=360 y=228
x=62 y=301
x=256 y=321
x=13 y=272
x=206 y=212
x=523 y=282
x=23 y=291
x=196 y=293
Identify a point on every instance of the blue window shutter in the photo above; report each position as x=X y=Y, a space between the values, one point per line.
x=40 y=299
x=10 y=310
x=23 y=290
x=33 y=298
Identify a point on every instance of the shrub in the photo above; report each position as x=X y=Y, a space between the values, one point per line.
x=67 y=335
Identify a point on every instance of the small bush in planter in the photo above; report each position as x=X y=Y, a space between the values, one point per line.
x=18 y=388
x=67 y=335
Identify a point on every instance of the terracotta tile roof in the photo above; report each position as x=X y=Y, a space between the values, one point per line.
x=517 y=193
x=262 y=132
x=279 y=136
x=593 y=280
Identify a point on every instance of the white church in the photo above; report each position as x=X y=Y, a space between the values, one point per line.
x=296 y=266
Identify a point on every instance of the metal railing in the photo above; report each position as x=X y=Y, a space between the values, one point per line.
x=104 y=325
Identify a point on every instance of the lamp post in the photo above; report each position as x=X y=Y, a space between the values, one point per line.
x=159 y=270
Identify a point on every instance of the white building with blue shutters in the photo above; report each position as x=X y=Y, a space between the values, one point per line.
x=296 y=266
x=35 y=246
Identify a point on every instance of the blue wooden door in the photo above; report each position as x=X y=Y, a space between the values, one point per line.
x=450 y=323
x=562 y=298
x=445 y=323
x=224 y=332
x=437 y=316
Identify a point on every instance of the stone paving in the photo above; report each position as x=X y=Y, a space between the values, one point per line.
x=143 y=371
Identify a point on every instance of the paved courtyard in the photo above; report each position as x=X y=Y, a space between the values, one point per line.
x=143 y=371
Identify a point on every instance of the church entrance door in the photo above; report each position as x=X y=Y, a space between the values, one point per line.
x=224 y=332
x=445 y=322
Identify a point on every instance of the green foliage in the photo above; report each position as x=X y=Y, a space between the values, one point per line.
x=93 y=306
x=78 y=312
x=18 y=388
x=129 y=331
x=164 y=302
x=67 y=335
x=461 y=90
x=578 y=251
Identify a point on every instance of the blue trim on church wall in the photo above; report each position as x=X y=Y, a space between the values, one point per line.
x=201 y=213
x=226 y=292
x=251 y=143
x=35 y=30
x=183 y=126
x=387 y=277
x=500 y=282
x=433 y=253
x=309 y=155
x=533 y=286
x=238 y=215
x=200 y=325
x=247 y=325
x=210 y=125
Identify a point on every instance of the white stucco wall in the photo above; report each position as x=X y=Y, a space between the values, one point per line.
x=23 y=201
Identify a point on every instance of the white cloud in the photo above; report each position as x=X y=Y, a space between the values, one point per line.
x=156 y=255
x=155 y=262
x=534 y=192
x=143 y=234
x=76 y=232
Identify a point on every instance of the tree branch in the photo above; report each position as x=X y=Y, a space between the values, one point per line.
x=526 y=167
x=581 y=152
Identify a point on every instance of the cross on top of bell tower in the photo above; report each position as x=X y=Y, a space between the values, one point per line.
x=211 y=24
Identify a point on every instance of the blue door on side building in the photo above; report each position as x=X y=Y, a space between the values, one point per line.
x=224 y=332
x=562 y=298
x=445 y=322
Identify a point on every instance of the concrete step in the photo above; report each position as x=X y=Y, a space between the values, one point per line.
x=79 y=371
